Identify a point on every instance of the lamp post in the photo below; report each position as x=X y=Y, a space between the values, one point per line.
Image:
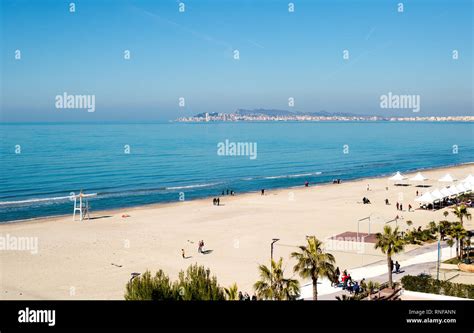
x=439 y=252
x=274 y=240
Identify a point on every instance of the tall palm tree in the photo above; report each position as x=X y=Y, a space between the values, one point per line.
x=389 y=242
x=273 y=284
x=458 y=233
x=314 y=263
x=461 y=212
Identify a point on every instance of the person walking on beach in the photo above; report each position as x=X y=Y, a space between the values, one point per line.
x=306 y=184
x=401 y=207
x=409 y=207
x=263 y=191
x=182 y=253
x=199 y=247
x=417 y=193
x=218 y=202
x=398 y=206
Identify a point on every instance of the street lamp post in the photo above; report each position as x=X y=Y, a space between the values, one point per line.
x=274 y=240
x=439 y=252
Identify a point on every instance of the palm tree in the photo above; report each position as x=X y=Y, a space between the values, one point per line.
x=458 y=233
x=370 y=287
x=314 y=263
x=461 y=212
x=232 y=292
x=389 y=243
x=273 y=284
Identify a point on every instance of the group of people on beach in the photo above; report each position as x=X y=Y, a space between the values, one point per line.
x=365 y=201
x=216 y=201
x=400 y=207
x=228 y=192
x=200 y=249
x=336 y=181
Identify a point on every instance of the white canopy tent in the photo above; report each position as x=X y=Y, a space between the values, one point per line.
x=468 y=186
x=426 y=198
x=447 y=178
x=437 y=195
x=446 y=192
x=461 y=188
x=469 y=179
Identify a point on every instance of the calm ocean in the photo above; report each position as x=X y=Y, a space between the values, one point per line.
x=43 y=163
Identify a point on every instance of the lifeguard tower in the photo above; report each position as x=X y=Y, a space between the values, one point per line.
x=81 y=206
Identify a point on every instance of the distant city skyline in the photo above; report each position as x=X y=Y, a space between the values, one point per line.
x=148 y=61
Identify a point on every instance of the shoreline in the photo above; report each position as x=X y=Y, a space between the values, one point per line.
x=97 y=257
x=165 y=204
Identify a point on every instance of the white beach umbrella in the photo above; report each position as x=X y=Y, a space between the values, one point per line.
x=426 y=198
x=437 y=195
x=447 y=178
x=397 y=177
x=418 y=178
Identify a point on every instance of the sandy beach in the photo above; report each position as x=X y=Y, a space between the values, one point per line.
x=94 y=259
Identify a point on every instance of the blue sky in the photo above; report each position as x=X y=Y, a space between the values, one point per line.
x=190 y=55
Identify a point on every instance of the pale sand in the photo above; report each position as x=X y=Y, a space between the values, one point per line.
x=78 y=256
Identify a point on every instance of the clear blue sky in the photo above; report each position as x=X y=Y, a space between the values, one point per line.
x=190 y=55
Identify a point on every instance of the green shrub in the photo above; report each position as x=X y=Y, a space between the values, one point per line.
x=197 y=284
x=194 y=284
x=146 y=287
x=425 y=284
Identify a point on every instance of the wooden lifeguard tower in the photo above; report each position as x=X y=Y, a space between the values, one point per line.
x=81 y=206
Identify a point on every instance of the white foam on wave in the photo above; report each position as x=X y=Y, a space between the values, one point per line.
x=191 y=186
x=294 y=175
x=36 y=200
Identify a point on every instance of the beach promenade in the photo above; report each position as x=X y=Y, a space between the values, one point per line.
x=94 y=259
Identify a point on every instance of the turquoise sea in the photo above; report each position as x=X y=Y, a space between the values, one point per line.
x=144 y=163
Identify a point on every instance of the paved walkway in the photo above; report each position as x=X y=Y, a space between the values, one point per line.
x=414 y=262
